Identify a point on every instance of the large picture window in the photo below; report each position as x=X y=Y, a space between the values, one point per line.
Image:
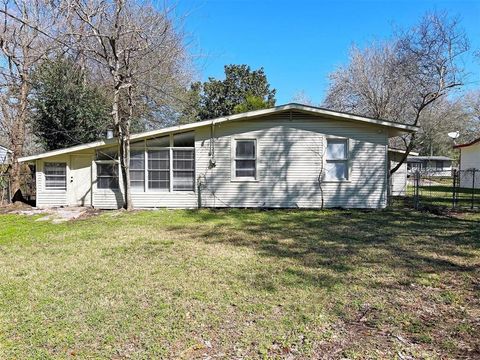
x=159 y=170
x=183 y=170
x=336 y=167
x=107 y=175
x=55 y=176
x=245 y=159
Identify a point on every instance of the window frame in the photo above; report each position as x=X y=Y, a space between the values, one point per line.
x=170 y=150
x=147 y=169
x=45 y=164
x=345 y=160
x=145 y=166
x=108 y=162
x=234 y=177
x=172 y=170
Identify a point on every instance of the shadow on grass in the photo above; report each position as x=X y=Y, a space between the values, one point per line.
x=331 y=246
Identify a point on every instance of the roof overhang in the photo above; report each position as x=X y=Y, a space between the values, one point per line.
x=400 y=151
x=467 y=144
x=393 y=128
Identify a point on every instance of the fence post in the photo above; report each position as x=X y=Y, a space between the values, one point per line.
x=454 y=187
x=473 y=187
x=416 y=182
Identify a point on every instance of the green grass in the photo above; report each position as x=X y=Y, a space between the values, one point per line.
x=240 y=283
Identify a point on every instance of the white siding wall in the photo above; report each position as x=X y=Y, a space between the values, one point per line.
x=290 y=150
x=3 y=155
x=399 y=177
x=289 y=162
x=470 y=159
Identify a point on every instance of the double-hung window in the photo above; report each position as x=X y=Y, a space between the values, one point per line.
x=183 y=170
x=336 y=165
x=159 y=170
x=245 y=159
x=137 y=169
x=55 y=176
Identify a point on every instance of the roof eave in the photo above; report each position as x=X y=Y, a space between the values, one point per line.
x=395 y=129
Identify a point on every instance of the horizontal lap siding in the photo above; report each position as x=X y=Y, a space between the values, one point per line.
x=289 y=162
x=107 y=199
x=164 y=199
x=399 y=177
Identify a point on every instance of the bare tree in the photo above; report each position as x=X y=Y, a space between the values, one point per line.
x=140 y=55
x=400 y=79
x=22 y=47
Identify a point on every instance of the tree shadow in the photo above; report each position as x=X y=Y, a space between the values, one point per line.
x=330 y=247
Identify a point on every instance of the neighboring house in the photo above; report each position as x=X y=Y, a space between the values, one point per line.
x=398 y=180
x=470 y=164
x=285 y=157
x=4 y=155
x=430 y=165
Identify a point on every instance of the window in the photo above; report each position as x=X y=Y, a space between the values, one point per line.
x=163 y=141
x=336 y=167
x=439 y=165
x=183 y=170
x=107 y=175
x=55 y=176
x=245 y=159
x=137 y=169
x=109 y=154
x=159 y=170
x=184 y=139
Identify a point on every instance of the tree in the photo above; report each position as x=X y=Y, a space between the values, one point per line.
x=251 y=103
x=140 y=55
x=22 y=47
x=241 y=88
x=68 y=110
x=401 y=79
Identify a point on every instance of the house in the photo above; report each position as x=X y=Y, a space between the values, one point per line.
x=398 y=180
x=437 y=166
x=4 y=155
x=470 y=164
x=288 y=156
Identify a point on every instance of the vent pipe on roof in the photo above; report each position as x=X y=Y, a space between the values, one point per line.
x=109 y=134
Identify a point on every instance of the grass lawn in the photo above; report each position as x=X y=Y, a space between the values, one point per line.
x=241 y=284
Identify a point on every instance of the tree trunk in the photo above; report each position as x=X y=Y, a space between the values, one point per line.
x=124 y=139
x=405 y=155
x=17 y=137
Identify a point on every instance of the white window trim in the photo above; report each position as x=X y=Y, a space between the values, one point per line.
x=233 y=158
x=346 y=160
x=146 y=189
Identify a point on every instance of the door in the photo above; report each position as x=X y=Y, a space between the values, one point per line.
x=80 y=182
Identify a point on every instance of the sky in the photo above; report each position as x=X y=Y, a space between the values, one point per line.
x=298 y=42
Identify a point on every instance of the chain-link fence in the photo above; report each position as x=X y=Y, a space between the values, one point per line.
x=460 y=190
x=27 y=187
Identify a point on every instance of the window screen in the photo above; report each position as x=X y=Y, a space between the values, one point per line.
x=159 y=170
x=107 y=176
x=183 y=170
x=336 y=167
x=55 y=176
x=137 y=169
x=245 y=159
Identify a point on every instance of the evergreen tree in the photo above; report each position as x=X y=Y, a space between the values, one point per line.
x=67 y=109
